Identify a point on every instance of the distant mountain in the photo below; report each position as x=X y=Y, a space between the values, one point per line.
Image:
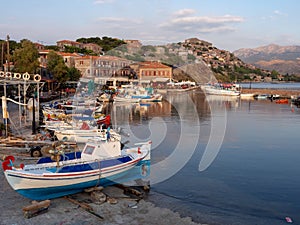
x=284 y=59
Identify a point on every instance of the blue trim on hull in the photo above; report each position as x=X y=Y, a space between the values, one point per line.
x=56 y=192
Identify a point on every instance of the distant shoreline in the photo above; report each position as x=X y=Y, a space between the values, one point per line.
x=286 y=93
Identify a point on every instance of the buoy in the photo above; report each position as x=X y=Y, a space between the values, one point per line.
x=8 y=75
x=7 y=164
x=37 y=78
x=26 y=76
x=288 y=219
x=17 y=75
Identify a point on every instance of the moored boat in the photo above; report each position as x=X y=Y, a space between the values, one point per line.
x=83 y=135
x=261 y=96
x=222 y=89
x=282 y=101
x=100 y=163
x=247 y=95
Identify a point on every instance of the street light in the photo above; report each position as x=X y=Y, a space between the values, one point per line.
x=33 y=114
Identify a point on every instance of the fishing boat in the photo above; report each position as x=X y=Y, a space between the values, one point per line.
x=126 y=98
x=222 y=89
x=99 y=163
x=138 y=92
x=261 y=96
x=282 y=101
x=85 y=133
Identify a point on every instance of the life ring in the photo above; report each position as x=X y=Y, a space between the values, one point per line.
x=7 y=163
x=2 y=74
x=37 y=78
x=8 y=74
x=17 y=75
x=26 y=76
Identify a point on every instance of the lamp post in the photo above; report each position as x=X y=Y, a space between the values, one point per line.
x=8 y=63
x=33 y=115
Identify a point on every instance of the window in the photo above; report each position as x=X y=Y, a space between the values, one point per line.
x=89 y=150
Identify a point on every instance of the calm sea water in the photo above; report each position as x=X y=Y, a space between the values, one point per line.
x=220 y=160
x=272 y=85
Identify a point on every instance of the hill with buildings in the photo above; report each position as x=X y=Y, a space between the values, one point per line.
x=193 y=58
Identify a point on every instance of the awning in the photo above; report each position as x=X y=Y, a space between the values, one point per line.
x=161 y=79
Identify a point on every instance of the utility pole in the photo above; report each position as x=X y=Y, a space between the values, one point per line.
x=8 y=63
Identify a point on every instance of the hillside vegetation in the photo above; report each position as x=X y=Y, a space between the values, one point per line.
x=284 y=59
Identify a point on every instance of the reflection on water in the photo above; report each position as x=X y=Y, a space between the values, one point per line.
x=254 y=178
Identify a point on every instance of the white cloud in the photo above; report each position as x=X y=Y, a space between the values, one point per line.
x=118 y=20
x=278 y=13
x=184 y=12
x=203 y=24
x=103 y=1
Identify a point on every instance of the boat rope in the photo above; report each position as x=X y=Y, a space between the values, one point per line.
x=98 y=182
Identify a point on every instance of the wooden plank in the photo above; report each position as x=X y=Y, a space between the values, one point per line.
x=85 y=206
x=35 y=208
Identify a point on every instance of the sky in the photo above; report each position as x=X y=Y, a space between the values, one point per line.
x=227 y=24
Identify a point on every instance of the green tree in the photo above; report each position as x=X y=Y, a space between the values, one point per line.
x=26 y=58
x=52 y=47
x=73 y=74
x=57 y=67
x=107 y=43
x=274 y=74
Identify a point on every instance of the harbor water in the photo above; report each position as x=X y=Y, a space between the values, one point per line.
x=220 y=160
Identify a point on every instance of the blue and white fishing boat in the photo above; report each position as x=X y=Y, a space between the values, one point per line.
x=100 y=163
x=137 y=93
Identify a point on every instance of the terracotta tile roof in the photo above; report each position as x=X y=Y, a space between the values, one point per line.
x=151 y=64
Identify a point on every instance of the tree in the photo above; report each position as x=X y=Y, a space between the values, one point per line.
x=73 y=74
x=274 y=74
x=26 y=58
x=57 y=67
x=107 y=43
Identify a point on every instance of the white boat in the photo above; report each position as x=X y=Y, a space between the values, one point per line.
x=100 y=163
x=151 y=98
x=261 y=96
x=247 y=95
x=222 y=89
x=83 y=136
x=140 y=93
x=126 y=98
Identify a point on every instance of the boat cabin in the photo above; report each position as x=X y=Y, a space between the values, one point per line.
x=101 y=150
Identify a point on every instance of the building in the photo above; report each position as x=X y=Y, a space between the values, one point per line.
x=93 y=47
x=101 y=68
x=39 y=46
x=63 y=43
x=152 y=71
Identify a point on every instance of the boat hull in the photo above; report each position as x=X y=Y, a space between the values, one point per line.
x=215 y=91
x=54 y=185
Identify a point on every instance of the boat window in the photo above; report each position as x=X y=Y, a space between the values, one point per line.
x=89 y=150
